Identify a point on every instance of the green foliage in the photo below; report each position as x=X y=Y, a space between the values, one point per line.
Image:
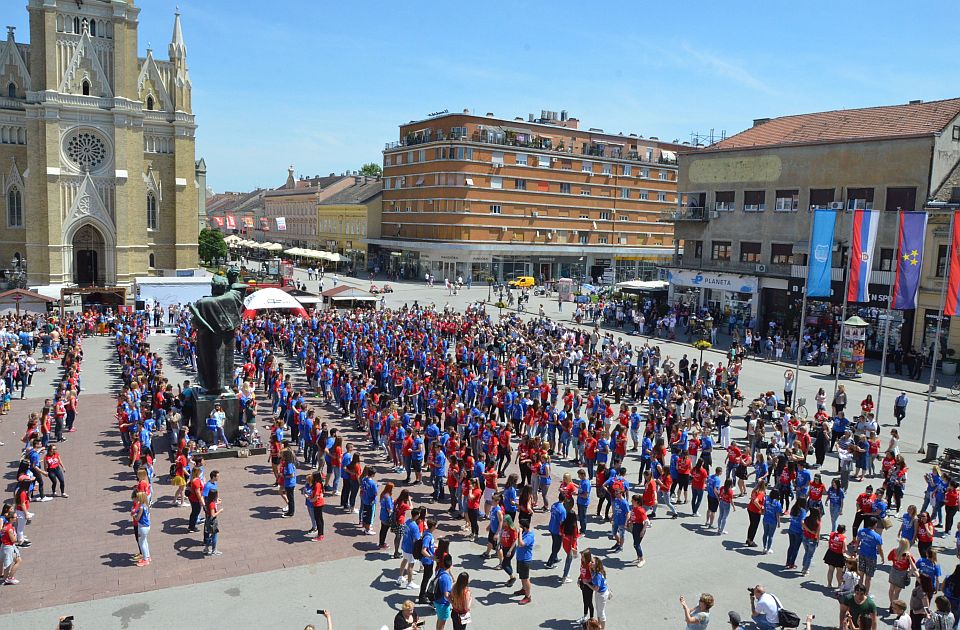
x=371 y=169
x=211 y=245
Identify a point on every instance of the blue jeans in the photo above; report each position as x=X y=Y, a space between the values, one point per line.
x=769 y=531
x=696 y=500
x=794 y=548
x=722 y=515
x=809 y=548
x=762 y=623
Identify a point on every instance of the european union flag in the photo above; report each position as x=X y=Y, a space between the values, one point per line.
x=913 y=229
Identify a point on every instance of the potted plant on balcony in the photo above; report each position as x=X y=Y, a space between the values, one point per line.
x=949 y=363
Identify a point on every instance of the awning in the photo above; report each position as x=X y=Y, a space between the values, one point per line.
x=643 y=285
x=469 y=181
x=668 y=155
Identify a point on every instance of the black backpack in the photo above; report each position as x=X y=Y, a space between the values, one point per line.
x=418 y=548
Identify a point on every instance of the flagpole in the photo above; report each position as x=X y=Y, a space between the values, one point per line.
x=936 y=341
x=803 y=310
x=886 y=321
x=843 y=312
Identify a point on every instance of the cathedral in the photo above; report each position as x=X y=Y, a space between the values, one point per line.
x=97 y=155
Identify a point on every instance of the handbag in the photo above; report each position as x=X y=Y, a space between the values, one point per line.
x=786 y=618
x=465 y=618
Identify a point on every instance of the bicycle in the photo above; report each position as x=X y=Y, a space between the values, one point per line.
x=800 y=410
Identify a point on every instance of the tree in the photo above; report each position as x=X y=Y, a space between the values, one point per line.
x=212 y=245
x=371 y=169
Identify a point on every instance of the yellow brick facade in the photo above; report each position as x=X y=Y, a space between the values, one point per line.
x=97 y=148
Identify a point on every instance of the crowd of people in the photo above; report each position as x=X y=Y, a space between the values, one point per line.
x=492 y=422
x=58 y=340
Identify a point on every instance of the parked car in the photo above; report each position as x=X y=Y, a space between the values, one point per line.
x=522 y=282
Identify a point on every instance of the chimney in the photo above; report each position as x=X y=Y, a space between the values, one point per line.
x=489 y=114
x=563 y=115
x=466 y=111
x=759 y=121
x=357 y=179
x=916 y=102
x=530 y=118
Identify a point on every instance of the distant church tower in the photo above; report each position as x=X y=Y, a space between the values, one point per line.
x=97 y=155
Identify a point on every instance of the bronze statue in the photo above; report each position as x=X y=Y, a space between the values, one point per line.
x=216 y=320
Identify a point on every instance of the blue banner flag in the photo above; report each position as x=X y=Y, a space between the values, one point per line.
x=821 y=250
x=913 y=228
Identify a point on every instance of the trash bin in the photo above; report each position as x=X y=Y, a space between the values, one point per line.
x=933 y=449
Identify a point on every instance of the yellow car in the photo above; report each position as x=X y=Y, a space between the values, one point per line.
x=522 y=282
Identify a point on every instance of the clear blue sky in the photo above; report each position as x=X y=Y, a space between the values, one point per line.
x=322 y=84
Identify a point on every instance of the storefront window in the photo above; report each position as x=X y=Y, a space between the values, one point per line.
x=930 y=330
x=876 y=317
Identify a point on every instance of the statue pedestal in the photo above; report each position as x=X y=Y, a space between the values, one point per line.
x=231 y=426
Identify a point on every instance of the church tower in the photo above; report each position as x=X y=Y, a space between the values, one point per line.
x=96 y=148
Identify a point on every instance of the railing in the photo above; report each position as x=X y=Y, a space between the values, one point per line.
x=690 y=213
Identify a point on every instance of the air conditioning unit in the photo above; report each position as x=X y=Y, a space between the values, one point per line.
x=714 y=214
x=836 y=205
x=534 y=214
x=761 y=268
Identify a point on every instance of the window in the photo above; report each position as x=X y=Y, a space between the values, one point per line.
x=586 y=167
x=663 y=175
x=584 y=215
x=422 y=155
x=85 y=88
x=754 y=200
x=12 y=90
x=698 y=249
x=76 y=25
x=388 y=159
x=606 y=169
x=725 y=201
x=152 y=260
x=152 y=221
x=585 y=191
x=859 y=198
x=14 y=208
x=821 y=197
x=419 y=182
x=497 y=158
x=400 y=159
x=543 y=187
x=643 y=195
x=956 y=132
x=749 y=252
x=521 y=159
x=781 y=253
x=787 y=200
x=661 y=196
x=627 y=170
x=584 y=239
x=565 y=188
x=543 y=161
x=150 y=103
x=520 y=184
x=624 y=217
x=458 y=132
x=624 y=193
x=649 y=154
x=902 y=198
x=496 y=182
x=604 y=215
x=622 y=240
x=886 y=259
x=720 y=250
x=644 y=172
x=566 y=164
x=93 y=28
x=494 y=209
x=602 y=240
x=941 y=260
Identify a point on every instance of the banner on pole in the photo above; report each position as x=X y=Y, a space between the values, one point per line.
x=821 y=249
x=953 y=271
x=906 y=283
x=862 y=245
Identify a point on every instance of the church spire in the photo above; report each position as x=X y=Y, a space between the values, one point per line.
x=178 y=49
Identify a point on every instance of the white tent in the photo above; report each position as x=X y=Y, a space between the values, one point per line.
x=270 y=298
x=643 y=285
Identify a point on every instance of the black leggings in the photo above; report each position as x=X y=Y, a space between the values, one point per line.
x=474 y=515
x=291 y=504
x=383 y=533
x=951 y=513
x=587 y=593
x=754 y=524
x=318 y=515
x=194 y=513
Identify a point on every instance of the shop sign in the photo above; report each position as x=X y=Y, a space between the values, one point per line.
x=721 y=281
x=879 y=293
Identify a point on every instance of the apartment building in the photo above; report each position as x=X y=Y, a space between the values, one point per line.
x=481 y=196
x=346 y=219
x=742 y=226
x=290 y=211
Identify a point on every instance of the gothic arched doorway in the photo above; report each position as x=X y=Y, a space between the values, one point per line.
x=89 y=257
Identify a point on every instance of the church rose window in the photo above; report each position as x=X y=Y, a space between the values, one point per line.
x=86 y=150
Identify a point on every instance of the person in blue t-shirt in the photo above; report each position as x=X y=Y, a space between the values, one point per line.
x=368 y=497
x=870 y=545
x=583 y=499
x=441 y=601
x=795 y=531
x=772 y=509
x=558 y=512
x=524 y=556
x=410 y=534
x=428 y=557
x=289 y=482
x=621 y=509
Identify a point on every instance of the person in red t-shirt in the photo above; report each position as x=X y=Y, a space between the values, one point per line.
x=194 y=493
x=9 y=553
x=638 y=522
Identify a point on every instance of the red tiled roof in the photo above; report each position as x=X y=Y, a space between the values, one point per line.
x=914 y=119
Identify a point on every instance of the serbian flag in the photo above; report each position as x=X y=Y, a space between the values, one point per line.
x=913 y=229
x=953 y=279
x=865 y=224
x=231 y=222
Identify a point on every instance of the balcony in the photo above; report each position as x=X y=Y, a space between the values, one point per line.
x=690 y=213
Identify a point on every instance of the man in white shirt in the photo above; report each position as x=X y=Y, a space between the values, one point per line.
x=764 y=609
